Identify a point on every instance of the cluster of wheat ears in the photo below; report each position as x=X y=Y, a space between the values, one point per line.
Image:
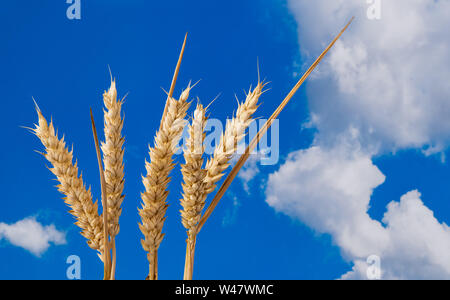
x=200 y=178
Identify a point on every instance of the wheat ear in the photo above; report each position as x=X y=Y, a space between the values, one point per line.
x=234 y=132
x=113 y=151
x=154 y=203
x=194 y=194
x=76 y=196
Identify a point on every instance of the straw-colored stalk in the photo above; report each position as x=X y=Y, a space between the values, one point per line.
x=194 y=193
x=154 y=203
x=113 y=152
x=107 y=252
x=71 y=185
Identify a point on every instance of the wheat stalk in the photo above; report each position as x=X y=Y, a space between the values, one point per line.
x=194 y=193
x=106 y=252
x=154 y=203
x=71 y=185
x=113 y=152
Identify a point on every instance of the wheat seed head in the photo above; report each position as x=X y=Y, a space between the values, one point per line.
x=113 y=152
x=194 y=195
x=154 y=203
x=77 y=197
x=233 y=134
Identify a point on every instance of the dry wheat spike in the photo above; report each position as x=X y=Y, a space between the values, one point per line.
x=195 y=191
x=234 y=132
x=194 y=194
x=154 y=204
x=76 y=196
x=113 y=151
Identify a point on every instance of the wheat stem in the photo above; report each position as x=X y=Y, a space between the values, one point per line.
x=107 y=260
x=114 y=258
x=186 y=260
x=190 y=248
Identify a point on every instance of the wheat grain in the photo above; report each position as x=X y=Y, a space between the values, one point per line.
x=113 y=151
x=154 y=204
x=76 y=196
x=234 y=132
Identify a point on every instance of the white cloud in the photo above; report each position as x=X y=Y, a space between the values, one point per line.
x=418 y=247
x=386 y=89
x=387 y=78
x=330 y=190
x=31 y=235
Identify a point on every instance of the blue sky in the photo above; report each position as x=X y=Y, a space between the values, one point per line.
x=64 y=64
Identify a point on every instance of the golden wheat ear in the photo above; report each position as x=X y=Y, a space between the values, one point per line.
x=113 y=151
x=154 y=206
x=194 y=193
x=233 y=134
x=198 y=182
x=76 y=196
x=161 y=163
